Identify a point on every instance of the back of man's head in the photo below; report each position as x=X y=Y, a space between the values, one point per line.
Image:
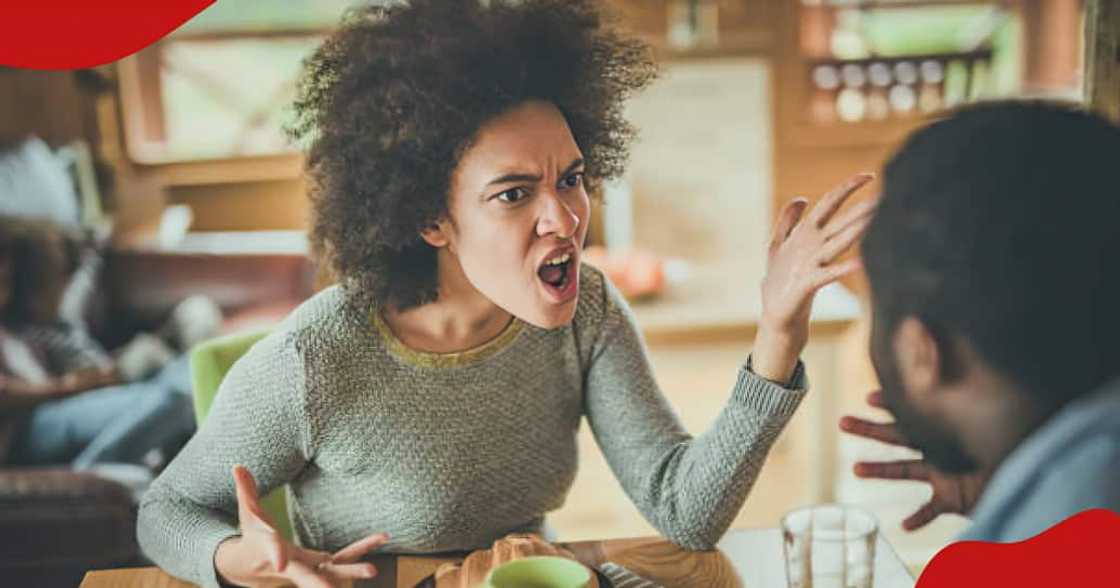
x=1000 y=225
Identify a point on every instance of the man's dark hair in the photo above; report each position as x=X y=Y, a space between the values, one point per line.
x=390 y=101
x=1000 y=225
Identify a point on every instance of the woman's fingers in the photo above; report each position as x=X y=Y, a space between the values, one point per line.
x=922 y=517
x=832 y=272
x=348 y=571
x=875 y=400
x=343 y=565
x=787 y=220
x=910 y=469
x=884 y=432
x=244 y=485
x=250 y=512
x=835 y=198
x=305 y=576
x=253 y=520
x=359 y=548
x=842 y=241
x=859 y=212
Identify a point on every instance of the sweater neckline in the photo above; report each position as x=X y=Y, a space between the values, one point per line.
x=432 y=359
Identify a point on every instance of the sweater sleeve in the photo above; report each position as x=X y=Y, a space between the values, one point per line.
x=254 y=421
x=690 y=489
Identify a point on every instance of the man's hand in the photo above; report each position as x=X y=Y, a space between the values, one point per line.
x=955 y=494
x=802 y=258
x=260 y=557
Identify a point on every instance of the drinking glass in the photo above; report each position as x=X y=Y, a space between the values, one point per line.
x=829 y=546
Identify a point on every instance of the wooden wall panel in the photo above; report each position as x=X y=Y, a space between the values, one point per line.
x=50 y=104
x=1102 y=57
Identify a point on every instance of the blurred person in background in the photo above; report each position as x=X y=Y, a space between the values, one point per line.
x=63 y=397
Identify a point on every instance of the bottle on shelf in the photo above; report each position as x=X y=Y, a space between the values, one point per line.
x=825 y=82
x=879 y=76
x=930 y=93
x=851 y=104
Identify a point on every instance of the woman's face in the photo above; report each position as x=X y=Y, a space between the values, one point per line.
x=519 y=215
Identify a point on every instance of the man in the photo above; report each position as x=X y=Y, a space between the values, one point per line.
x=994 y=263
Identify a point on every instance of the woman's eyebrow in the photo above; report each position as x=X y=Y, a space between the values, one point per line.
x=514 y=177
x=578 y=163
x=531 y=178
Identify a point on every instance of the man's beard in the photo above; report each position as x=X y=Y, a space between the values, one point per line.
x=937 y=441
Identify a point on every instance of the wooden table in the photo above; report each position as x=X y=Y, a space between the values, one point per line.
x=744 y=559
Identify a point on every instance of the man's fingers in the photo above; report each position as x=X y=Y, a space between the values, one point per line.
x=357 y=549
x=835 y=198
x=786 y=221
x=885 y=432
x=305 y=576
x=921 y=518
x=910 y=469
x=875 y=399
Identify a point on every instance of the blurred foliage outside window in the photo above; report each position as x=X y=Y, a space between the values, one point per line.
x=874 y=61
x=228 y=77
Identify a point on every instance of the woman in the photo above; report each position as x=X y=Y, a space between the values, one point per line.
x=436 y=393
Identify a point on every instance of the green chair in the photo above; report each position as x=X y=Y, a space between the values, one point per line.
x=209 y=363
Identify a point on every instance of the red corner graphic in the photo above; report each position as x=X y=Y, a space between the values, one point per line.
x=71 y=34
x=1081 y=551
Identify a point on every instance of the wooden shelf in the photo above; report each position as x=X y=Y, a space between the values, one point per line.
x=229 y=171
x=878 y=4
x=979 y=54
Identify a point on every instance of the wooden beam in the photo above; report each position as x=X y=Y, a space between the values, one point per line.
x=1102 y=57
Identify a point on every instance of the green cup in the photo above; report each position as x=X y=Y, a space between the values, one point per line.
x=539 y=572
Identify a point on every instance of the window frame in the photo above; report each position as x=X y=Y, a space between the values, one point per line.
x=144 y=131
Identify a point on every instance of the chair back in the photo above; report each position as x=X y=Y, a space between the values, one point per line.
x=210 y=362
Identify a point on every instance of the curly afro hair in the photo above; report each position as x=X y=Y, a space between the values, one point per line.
x=390 y=101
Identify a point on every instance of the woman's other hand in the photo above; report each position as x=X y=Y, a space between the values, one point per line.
x=260 y=557
x=801 y=259
x=952 y=494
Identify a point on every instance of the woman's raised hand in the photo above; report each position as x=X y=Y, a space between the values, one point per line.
x=802 y=258
x=952 y=494
x=261 y=557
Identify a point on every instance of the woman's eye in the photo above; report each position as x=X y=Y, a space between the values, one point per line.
x=513 y=195
x=572 y=180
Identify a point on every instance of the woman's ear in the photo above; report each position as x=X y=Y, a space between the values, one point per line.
x=435 y=234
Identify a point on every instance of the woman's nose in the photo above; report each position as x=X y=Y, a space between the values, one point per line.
x=557 y=218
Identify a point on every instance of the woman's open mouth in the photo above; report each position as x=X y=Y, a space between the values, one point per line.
x=558 y=275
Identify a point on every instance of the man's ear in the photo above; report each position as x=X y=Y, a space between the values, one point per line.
x=436 y=234
x=919 y=357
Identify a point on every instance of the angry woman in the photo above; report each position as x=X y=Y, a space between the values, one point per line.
x=431 y=400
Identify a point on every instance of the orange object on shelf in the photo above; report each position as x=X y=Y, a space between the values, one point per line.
x=636 y=273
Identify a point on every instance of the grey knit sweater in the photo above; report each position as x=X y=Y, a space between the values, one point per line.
x=451 y=451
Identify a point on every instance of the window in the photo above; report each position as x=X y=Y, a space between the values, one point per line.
x=876 y=61
x=221 y=86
